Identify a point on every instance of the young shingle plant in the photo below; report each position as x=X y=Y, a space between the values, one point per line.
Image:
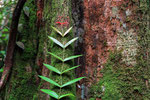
x=61 y=71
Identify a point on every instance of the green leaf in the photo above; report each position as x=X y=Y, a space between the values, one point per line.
x=71 y=41
x=66 y=95
x=57 y=31
x=49 y=80
x=72 y=57
x=55 y=56
x=67 y=31
x=57 y=42
x=52 y=68
x=51 y=93
x=70 y=69
x=26 y=10
x=3 y=53
x=1 y=70
x=20 y=44
x=72 y=81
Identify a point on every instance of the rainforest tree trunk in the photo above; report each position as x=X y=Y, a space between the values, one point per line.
x=32 y=46
x=113 y=38
x=23 y=83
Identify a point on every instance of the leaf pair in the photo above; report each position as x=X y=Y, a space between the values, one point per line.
x=54 y=69
x=55 y=95
x=62 y=45
x=57 y=71
x=61 y=86
x=66 y=59
x=61 y=32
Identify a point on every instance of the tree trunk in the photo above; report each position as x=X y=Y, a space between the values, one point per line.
x=32 y=47
x=23 y=83
x=102 y=26
x=107 y=26
x=60 y=17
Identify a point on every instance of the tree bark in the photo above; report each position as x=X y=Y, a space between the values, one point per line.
x=100 y=26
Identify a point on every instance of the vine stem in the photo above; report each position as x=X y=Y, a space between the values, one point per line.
x=62 y=67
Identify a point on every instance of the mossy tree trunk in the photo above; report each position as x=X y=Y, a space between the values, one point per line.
x=60 y=17
x=32 y=47
x=99 y=24
x=30 y=53
x=54 y=14
x=104 y=26
x=111 y=25
x=23 y=83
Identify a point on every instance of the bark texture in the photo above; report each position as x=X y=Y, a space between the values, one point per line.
x=100 y=27
x=43 y=45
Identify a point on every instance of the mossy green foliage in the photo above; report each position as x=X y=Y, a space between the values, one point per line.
x=108 y=87
x=122 y=82
x=51 y=14
x=22 y=83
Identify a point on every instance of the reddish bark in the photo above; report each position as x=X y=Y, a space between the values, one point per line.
x=40 y=7
x=43 y=58
x=11 y=42
x=101 y=25
x=98 y=33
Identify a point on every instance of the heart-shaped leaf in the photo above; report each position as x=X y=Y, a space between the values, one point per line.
x=51 y=93
x=56 y=56
x=70 y=69
x=57 y=42
x=52 y=68
x=71 y=41
x=72 y=57
x=67 y=31
x=57 y=31
x=49 y=80
x=66 y=95
x=72 y=81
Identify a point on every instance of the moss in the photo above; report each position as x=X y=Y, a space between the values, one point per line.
x=121 y=81
x=22 y=83
x=51 y=17
x=29 y=53
x=107 y=87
